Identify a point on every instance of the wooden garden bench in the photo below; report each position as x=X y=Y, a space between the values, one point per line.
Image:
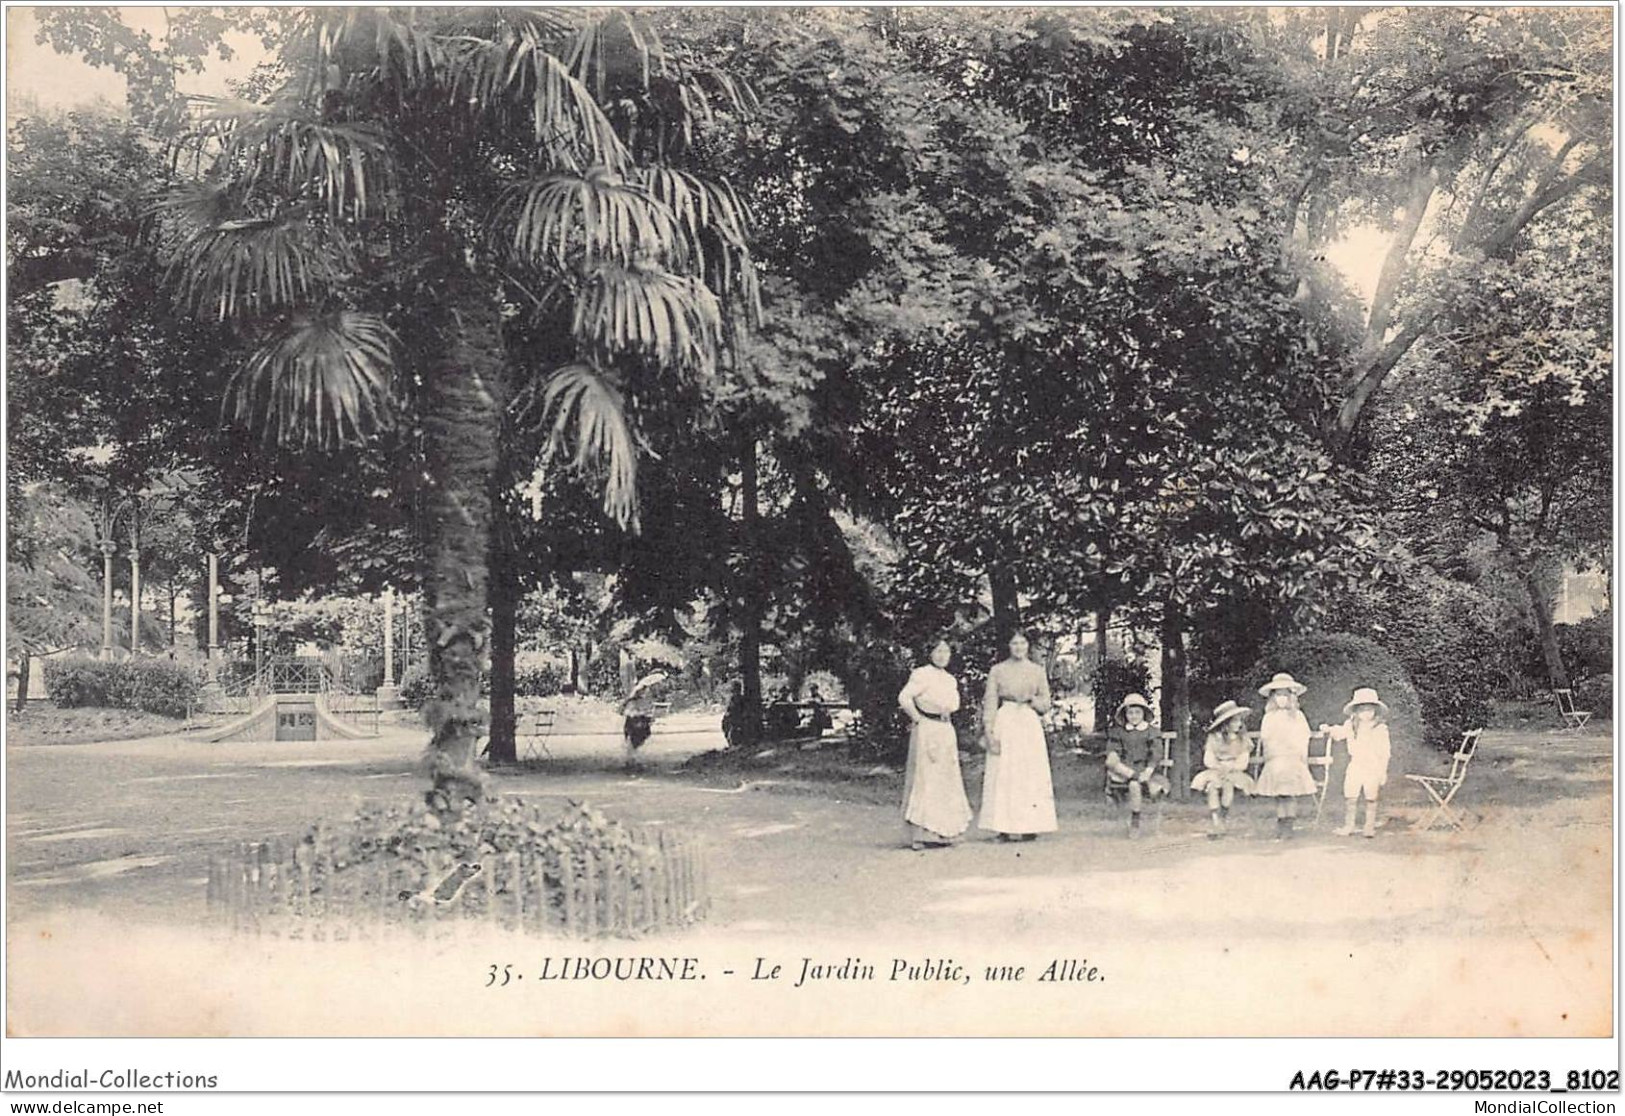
x=1442 y=788
x=1573 y=719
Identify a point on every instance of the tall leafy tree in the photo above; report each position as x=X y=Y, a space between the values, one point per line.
x=1499 y=429
x=1459 y=132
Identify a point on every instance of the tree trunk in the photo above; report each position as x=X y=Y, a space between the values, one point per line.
x=1540 y=601
x=1378 y=358
x=25 y=666
x=751 y=590
x=1176 y=696
x=504 y=630
x=461 y=426
x=1006 y=604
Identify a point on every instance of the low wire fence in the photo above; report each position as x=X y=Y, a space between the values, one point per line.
x=313 y=890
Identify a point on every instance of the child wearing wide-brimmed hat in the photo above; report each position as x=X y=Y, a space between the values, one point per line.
x=1224 y=762
x=1366 y=731
x=1284 y=736
x=1131 y=756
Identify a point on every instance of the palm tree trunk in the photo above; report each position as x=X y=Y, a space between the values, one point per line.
x=752 y=590
x=504 y=625
x=461 y=429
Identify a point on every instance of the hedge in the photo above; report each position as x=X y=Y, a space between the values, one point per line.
x=160 y=686
x=1333 y=666
x=1596 y=694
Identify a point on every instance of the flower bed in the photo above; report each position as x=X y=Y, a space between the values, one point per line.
x=511 y=864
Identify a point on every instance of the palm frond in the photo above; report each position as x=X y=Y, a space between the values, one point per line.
x=581 y=406
x=519 y=69
x=323 y=382
x=591 y=55
x=566 y=219
x=700 y=204
x=228 y=263
x=719 y=221
x=283 y=144
x=672 y=320
x=389 y=43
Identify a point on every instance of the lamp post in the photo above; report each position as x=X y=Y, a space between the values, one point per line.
x=109 y=548
x=387 y=691
x=135 y=582
x=261 y=615
x=214 y=616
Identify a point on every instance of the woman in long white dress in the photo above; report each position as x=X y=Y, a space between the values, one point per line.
x=934 y=804
x=1018 y=797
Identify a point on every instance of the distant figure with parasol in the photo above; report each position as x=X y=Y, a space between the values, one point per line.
x=638 y=711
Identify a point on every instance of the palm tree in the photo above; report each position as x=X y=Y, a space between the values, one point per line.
x=420 y=179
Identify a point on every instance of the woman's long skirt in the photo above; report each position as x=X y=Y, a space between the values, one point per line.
x=933 y=789
x=1017 y=794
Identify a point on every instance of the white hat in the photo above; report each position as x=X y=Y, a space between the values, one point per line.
x=1225 y=712
x=1365 y=695
x=1282 y=681
x=1135 y=700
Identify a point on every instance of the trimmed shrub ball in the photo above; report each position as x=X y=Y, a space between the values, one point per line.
x=1333 y=666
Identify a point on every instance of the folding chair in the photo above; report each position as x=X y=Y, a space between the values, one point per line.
x=1573 y=719
x=1320 y=768
x=541 y=727
x=1442 y=788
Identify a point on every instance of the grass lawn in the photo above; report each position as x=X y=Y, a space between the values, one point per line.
x=40 y=722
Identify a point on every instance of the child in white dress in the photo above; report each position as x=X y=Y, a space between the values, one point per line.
x=1224 y=764
x=1366 y=731
x=1284 y=736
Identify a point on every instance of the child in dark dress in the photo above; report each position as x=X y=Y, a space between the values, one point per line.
x=1131 y=756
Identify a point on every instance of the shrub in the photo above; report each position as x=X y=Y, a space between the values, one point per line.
x=160 y=686
x=362 y=674
x=538 y=680
x=602 y=675
x=1452 y=641
x=1333 y=667
x=414 y=686
x=1587 y=647
x=1597 y=695
x=879 y=670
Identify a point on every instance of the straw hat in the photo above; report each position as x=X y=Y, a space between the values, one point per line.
x=1282 y=681
x=1135 y=701
x=1225 y=712
x=1365 y=695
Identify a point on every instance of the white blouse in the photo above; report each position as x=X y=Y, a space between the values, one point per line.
x=935 y=689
